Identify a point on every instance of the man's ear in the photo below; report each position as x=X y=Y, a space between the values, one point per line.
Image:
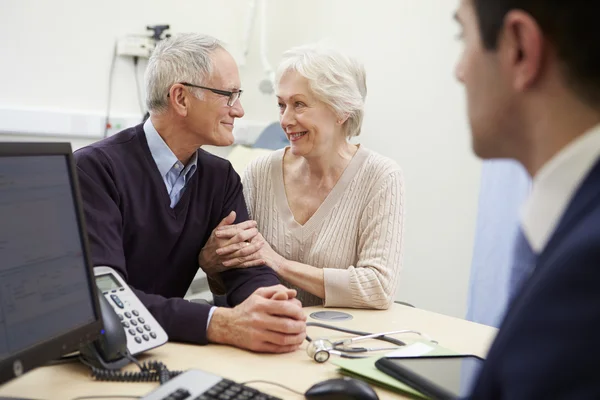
x=522 y=47
x=179 y=100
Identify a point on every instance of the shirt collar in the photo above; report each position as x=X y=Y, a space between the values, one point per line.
x=555 y=185
x=164 y=158
x=162 y=154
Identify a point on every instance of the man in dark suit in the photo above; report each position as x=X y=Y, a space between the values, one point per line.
x=531 y=69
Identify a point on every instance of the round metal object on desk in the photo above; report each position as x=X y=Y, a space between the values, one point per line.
x=331 y=316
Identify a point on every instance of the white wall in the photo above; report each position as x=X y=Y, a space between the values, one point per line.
x=57 y=55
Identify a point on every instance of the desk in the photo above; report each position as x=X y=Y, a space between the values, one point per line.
x=296 y=370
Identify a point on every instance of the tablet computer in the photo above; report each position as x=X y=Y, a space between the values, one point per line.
x=439 y=377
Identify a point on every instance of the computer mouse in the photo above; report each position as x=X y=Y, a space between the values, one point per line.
x=341 y=389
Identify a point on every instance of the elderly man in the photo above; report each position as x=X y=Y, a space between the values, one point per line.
x=153 y=200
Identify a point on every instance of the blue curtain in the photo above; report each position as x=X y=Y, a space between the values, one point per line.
x=504 y=187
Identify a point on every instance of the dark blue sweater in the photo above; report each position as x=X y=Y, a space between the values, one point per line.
x=133 y=229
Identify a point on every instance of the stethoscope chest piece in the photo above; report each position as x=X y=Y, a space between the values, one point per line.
x=319 y=350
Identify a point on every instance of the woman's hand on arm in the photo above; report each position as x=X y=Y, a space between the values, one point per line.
x=259 y=252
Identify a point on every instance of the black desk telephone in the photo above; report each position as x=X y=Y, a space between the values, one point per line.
x=129 y=328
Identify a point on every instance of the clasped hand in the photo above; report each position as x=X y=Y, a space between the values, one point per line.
x=239 y=248
x=232 y=246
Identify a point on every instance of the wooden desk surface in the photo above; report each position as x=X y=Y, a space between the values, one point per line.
x=296 y=370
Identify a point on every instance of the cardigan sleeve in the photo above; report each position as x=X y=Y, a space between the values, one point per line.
x=372 y=282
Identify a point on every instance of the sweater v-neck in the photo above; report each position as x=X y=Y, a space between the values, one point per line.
x=159 y=182
x=302 y=231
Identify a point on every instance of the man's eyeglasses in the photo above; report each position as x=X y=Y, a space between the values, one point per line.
x=233 y=96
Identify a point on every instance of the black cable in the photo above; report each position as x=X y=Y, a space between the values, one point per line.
x=110 y=80
x=137 y=84
x=151 y=371
x=274 y=383
x=107 y=397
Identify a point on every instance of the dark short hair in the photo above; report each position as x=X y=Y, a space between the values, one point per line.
x=570 y=25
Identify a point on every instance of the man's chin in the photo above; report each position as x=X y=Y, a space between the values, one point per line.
x=224 y=139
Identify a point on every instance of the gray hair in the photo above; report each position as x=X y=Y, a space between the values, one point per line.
x=182 y=58
x=334 y=78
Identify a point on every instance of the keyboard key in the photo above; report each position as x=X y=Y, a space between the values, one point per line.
x=136 y=313
x=213 y=392
x=132 y=332
x=147 y=327
x=139 y=329
x=138 y=339
x=121 y=317
x=142 y=320
x=133 y=322
x=128 y=314
x=236 y=388
x=181 y=394
x=203 y=397
x=126 y=324
x=146 y=338
x=153 y=335
x=224 y=396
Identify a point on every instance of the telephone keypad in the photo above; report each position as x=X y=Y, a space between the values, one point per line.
x=145 y=330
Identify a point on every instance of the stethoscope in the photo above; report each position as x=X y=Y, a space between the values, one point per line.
x=321 y=349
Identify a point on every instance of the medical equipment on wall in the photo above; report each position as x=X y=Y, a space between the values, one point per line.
x=267 y=84
x=321 y=349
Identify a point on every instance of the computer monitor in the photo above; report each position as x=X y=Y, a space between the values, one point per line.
x=48 y=301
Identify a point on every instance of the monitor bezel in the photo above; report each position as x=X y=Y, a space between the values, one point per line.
x=51 y=349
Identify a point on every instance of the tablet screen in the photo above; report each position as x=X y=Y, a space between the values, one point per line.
x=455 y=375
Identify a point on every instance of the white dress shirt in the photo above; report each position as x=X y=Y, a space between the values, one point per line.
x=555 y=185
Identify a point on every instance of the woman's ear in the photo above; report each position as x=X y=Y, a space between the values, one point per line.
x=342 y=119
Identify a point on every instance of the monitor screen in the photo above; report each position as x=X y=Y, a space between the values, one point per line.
x=45 y=280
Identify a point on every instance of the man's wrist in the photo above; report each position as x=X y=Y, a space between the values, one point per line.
x=219 y=326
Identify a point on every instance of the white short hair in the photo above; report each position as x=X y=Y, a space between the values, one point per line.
x=334 y=78
x=181 y=58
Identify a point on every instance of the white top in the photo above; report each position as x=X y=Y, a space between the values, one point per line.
x=355 y=235
x=555 y=185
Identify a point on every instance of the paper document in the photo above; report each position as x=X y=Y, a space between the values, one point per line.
x=412 y=350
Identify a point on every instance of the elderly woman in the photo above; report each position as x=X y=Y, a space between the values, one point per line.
x=331 y=212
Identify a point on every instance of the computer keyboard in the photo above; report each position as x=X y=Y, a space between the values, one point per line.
x=199 y=385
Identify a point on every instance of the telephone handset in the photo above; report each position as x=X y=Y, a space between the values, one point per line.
x=129 y=328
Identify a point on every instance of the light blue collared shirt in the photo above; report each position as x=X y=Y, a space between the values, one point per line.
x=175 y=175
